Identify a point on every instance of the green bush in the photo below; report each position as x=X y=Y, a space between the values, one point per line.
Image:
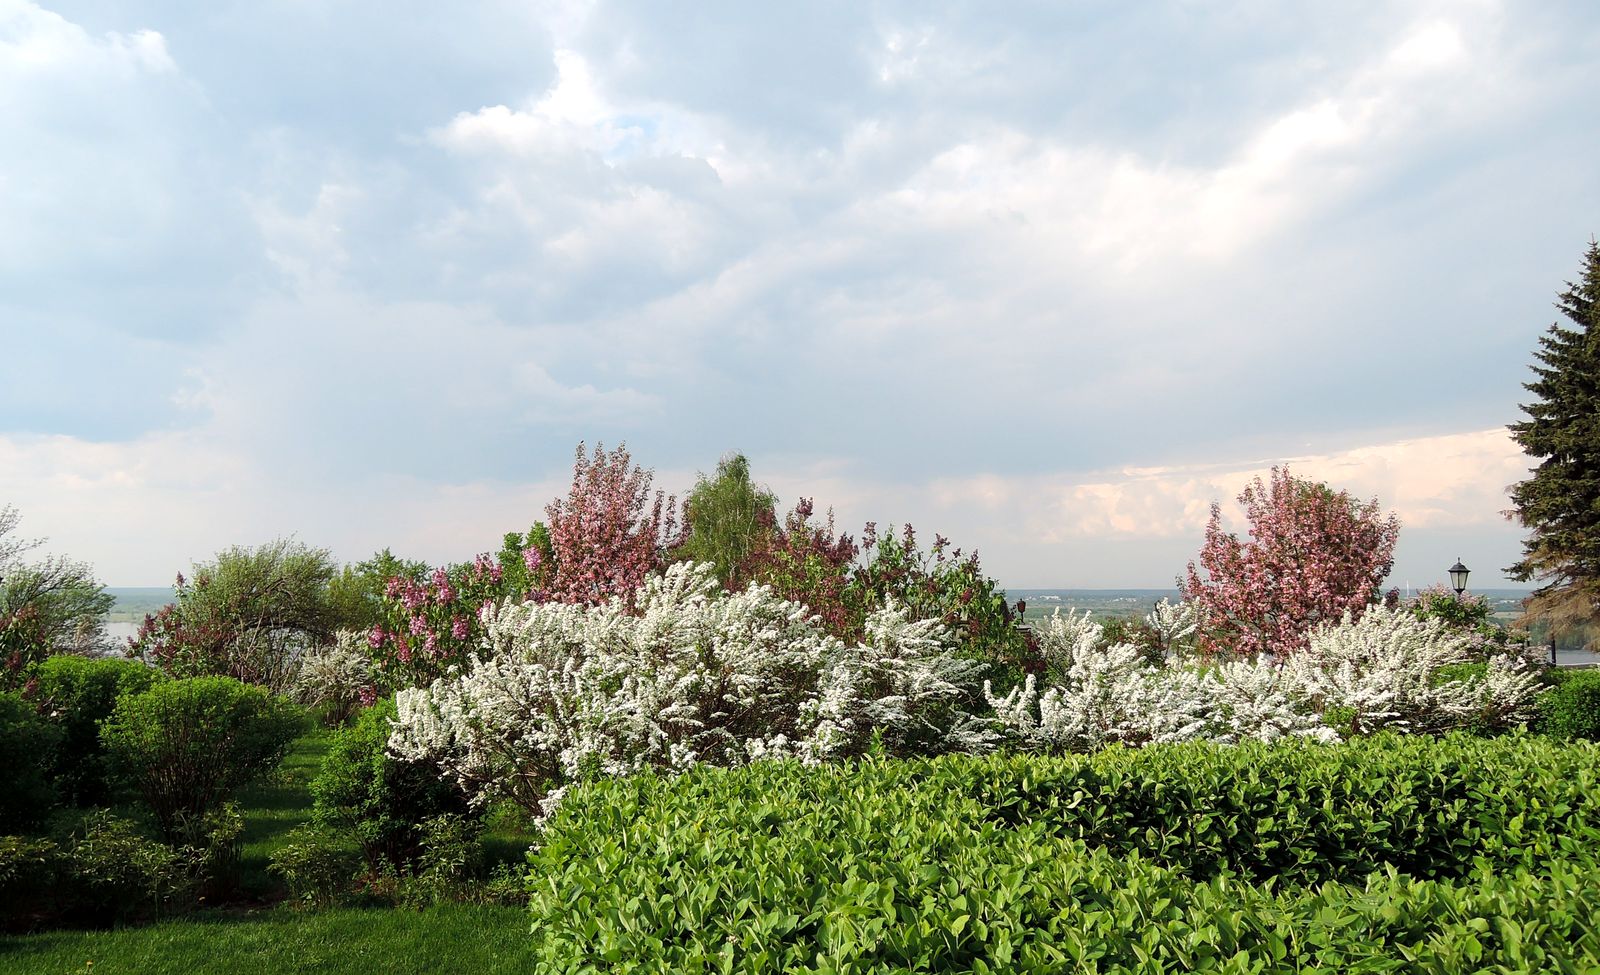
x=377 y=799
x=28 y=744
x=186 y=746
x=1570 y=710
x=118 y=873
x=76 y=694
x=450 y=865
x=1192 y=858
x=317 y=865
x=30 y=871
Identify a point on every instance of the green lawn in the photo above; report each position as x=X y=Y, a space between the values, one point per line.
x=261 y=934
x=478 y=940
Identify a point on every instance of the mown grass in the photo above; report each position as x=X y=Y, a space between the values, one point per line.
x=262 y=933
x=454 y=938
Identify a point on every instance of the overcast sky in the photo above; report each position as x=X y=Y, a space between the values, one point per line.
x=1046 y=278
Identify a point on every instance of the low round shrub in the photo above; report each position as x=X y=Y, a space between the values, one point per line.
x=317 y=865
x=76 y=694
x=28 y=745
x=1570 y=710
x=186 y=746
x=380 y=801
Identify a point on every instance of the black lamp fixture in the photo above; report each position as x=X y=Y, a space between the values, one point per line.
x=1458 y=577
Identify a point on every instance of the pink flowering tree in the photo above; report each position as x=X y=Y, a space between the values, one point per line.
x=1313 y=555
x=608 y=533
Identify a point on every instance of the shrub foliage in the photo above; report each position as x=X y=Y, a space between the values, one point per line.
x=186 y=746
x=1451 y=855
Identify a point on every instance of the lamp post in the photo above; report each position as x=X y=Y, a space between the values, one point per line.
x=1458 y=577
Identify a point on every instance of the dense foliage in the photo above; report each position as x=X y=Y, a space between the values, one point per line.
x=375 y=799
x=1313 y=556
x=1152 y=861
x=1560 y=503
x=187 y=746
x=1571 y=709
x=249 y=614
x=28 y=746
x=76 y=694
x=727 y=518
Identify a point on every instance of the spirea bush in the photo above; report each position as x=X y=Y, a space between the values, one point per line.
x=1450 y=855
x=681 y=674
x=1353 y=677
x=337 y=678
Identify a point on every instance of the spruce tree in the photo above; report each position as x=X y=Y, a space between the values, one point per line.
x=1560 y=503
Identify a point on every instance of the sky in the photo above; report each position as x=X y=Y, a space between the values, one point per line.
x=1045 y=278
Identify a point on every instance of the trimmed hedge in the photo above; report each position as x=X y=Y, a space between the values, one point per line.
x=1190 y=858
x=1570 y=710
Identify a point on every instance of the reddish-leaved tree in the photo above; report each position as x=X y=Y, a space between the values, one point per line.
x=607 y=534
x=1313 y=554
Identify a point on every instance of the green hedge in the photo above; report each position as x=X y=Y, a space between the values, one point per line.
x=1570 y=710
x=1192 y=858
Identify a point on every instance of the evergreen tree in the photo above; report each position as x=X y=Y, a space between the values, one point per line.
x=1560 y=503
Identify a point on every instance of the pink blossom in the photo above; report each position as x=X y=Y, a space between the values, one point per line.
x=375 y=637
x=459 y=628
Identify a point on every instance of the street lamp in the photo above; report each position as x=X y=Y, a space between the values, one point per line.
x=1458 y=577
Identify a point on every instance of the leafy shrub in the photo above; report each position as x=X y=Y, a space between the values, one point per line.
x=186 y=746
x=1008 y=864
x=119 y=873
x=76 y=694
x=942 y=585
x=28 y=746
x=1571 y=709
x=317 y=865
x=379 y=801
x=450 y=864
x=30 y=872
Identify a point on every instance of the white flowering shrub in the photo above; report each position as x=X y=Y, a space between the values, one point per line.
x=1174 y=626
x=1383 y=671
x=691 y=675
x=1387 y=670
x=333 y=676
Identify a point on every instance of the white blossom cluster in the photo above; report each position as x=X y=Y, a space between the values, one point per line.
x=333 y=675
x=690 y=675
x=1382 y=671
